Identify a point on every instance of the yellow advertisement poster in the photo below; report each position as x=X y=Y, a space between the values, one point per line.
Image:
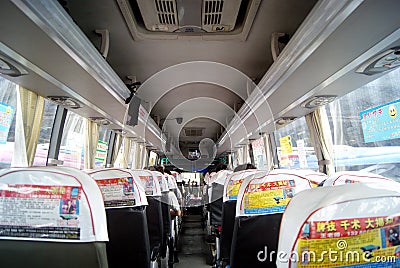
x=268 y=198
x=368 y=246
x=286 y=145
x=233 y=189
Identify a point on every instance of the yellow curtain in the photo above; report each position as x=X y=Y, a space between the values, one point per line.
x=321 y=138
x=91 y=140
x=29 y=115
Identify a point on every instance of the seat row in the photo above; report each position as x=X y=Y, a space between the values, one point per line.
x=282 y=219
x=61 y=216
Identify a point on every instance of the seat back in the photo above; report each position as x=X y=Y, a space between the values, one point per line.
x=125 y=202
x=359 y=224
x=165 y=211
x=50 y=215
x=153 y=211
x=346 y=177
x=216 y=196
x=260 y=204
x=231 y=189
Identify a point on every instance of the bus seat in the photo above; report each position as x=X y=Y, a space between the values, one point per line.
x=216 y=204
x=51 y=216
x=165 y=211
x=231 y=188
x=125 y=202
x=153 y=211
x=260 y=203
x=346 y=177
x=360 y=222
x=217 y=188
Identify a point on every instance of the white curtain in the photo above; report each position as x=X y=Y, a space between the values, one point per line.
x=268 y=152
x=123 y=154
x=91 y=140
x=116 y=148
x=138 y=155
x=321 y=139
x=29 y=115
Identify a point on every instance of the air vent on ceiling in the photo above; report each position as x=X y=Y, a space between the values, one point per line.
x=193 y=132
x=189 y=16
x=173 y=19
x=159 y=15
x=220 y=15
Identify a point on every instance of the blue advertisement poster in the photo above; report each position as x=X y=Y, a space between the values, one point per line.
x=382 y=122
x=6 y=115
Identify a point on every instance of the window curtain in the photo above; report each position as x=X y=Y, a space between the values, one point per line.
x=269 y=156
x=30 y=108
x=123 y=155
x=321 y=139
x=116 y=148
x=91 y=140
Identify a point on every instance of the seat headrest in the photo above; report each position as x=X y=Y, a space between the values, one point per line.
x=58 y=204
x=220 y=177
x=268 y=193
x=177 y=176
x=314 y=177
x=233 y=182
x=346 y=177
x=162 y=181
x=151 y=186
x=171 y=181
x=119 y=187
x=360 y=219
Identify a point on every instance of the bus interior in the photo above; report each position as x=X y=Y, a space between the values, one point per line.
x=201 y=133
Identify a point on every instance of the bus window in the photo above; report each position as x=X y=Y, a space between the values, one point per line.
x=42 y=149
x=102 y=147
x=259 y=153
x=72 y=142
x=294 y=146
x=8 y=105
x=365 y=132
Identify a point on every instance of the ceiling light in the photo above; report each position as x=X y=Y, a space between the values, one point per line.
x=100 y=120
x=284 y=120
x=67 y=102
x=387 y=60
x=317 y=101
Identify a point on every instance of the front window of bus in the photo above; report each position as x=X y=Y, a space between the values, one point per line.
x=366 y=128
x=8 y=105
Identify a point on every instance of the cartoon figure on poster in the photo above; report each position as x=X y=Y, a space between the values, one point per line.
x=128 y=187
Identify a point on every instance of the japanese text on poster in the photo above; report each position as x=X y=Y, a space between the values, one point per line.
x=381 y=123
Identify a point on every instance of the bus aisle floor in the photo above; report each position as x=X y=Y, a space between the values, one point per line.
x=193 y=248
